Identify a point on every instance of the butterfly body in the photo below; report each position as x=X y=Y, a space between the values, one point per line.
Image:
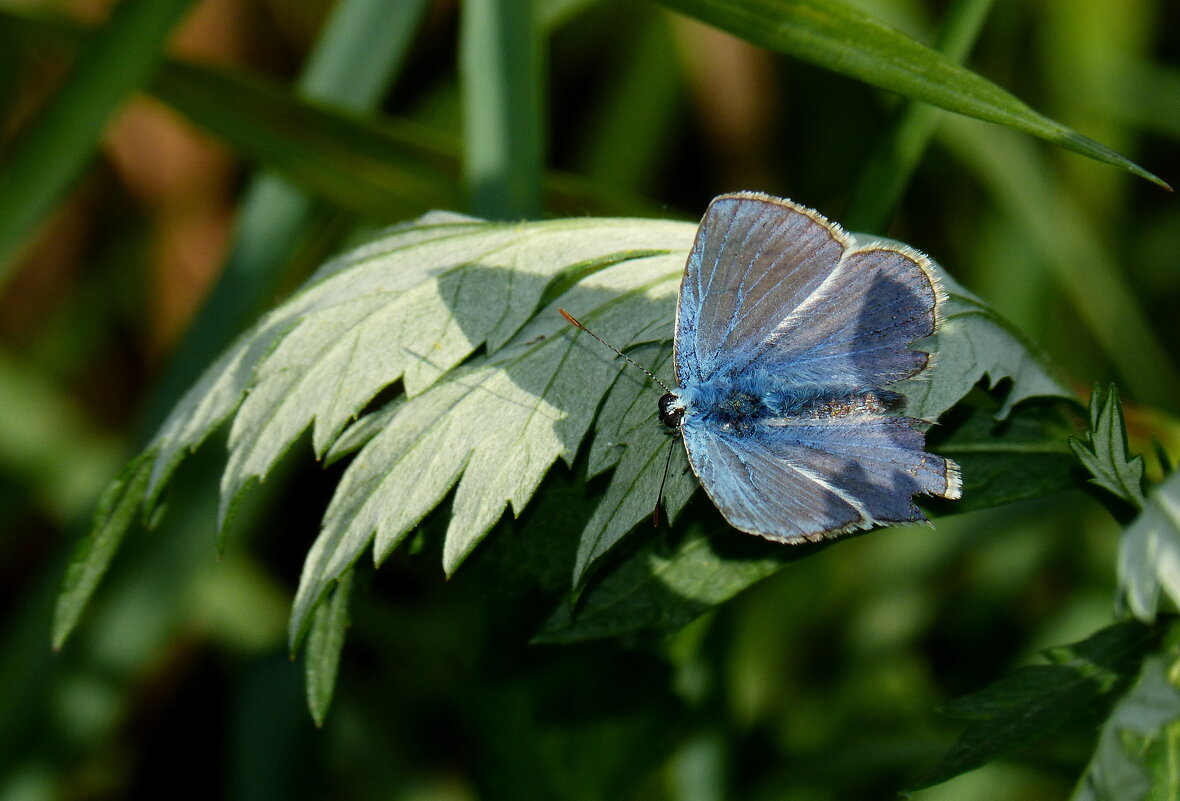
x=788 y=339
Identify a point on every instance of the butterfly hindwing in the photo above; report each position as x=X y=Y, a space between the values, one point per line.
x=809 y=478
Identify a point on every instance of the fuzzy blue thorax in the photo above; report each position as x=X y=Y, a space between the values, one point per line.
x=743 y=404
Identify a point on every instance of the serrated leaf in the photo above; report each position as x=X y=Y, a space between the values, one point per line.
x=1136 y=755
x=1022 y=456
x=325 y=641
x=1149 y=552
x=92 y=556
x=1103 y=449
x=630 y=439
x=839 y=37
x=976 y=343
x=1035 y=701
x=493 y=426
x=413 y=310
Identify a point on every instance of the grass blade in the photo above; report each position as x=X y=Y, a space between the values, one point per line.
x=841 y=38
x=500 y=70
x=61 y=140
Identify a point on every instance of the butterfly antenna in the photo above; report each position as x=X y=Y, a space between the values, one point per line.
x=655 y=513
x=574 y=322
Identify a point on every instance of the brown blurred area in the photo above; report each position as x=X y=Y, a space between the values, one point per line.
x=165 y=188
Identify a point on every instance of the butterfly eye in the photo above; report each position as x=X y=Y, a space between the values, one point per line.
x=671 y=412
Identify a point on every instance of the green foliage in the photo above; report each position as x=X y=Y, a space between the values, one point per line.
x=1149 y=553
x=1104 y=453
x=1081 y=682
x=414 y=305
x=566 y=648
x=1136 y=755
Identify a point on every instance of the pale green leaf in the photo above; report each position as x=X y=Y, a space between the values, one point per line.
x=325 y=641
x=457 y=321
x=1149 y=553
x=1136 y=755
x=499 y=422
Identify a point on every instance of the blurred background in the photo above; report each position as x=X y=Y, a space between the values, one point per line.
x=212 y=192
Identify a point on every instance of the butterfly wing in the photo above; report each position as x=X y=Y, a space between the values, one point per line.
x=810 y=478
x=772 y=285
x=780 y=297
x=755 y=259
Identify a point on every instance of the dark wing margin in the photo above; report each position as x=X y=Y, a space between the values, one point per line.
x=755 y=260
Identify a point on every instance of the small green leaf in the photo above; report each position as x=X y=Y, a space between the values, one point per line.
x=839 y=37
x=116 y=509
x=1103 y=449
x=1136 y=755
x=1149 y=552
x=325 y=641
x=1034 y=701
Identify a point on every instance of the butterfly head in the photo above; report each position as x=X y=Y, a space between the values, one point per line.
x=672 y=410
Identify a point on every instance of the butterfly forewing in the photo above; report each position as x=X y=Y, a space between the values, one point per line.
x=755 y=260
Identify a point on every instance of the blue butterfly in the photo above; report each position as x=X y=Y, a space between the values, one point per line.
x=788 y=337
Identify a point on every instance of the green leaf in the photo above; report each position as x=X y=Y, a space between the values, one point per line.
x=1149 y=552
x=325 y=641
x=494 y=425
x=1103 y=449
x=456 y=320
x=1136 y=755
x=1032 y=702
x=839 y=37
x=897 y=153
x=1023 y=456
x=976 y=343
x=116 y=509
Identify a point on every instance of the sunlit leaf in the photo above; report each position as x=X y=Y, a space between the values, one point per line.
x=1149 y=553
x=488 y=387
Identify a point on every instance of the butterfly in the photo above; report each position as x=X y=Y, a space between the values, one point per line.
x=788 y=338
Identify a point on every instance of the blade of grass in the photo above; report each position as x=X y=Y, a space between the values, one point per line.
x=502 y=87
x=892 y=164
x=836 y=36
x=1084 y=269
x=61 y=140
